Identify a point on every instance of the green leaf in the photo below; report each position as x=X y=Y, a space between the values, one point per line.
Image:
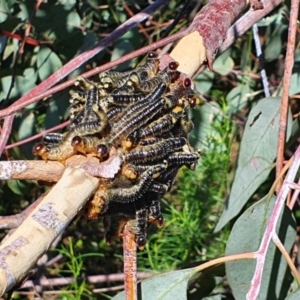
x=73 y=21
x=201 y=285
x=294 y=296
x=256 y=156
x=4 y=11
x=121 y=48
x=57 y=111
x=204 y=82
x=204 y=131
x=27 y=125
x=295 y=133
x=238 y=98
x=278 y=18
x=246 y=236
x=47 y=62
x=52 y=118
x=3 y=40
x=17 y=186
x=168 y=286
x=294 y=85
x=274 y=42
x=215 y=297
x=21 y=85
x=223 y=65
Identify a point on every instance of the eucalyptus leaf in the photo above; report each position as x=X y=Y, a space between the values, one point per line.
x=20 y=85
x=294 y=85
x=215 y=297
x=167 y=286
x=238 y=97
x=17 y=186
x=73 y=21
x=204 y=82
x=246 y=236
x=256 y=156
x=121 y=48
x=294 y=296
x=27 y=125
x=274 y=42
x=223 y=66
x=3 y=40
x=47 y=62
x=4 y=11
x=52 y=117
x=204 y=130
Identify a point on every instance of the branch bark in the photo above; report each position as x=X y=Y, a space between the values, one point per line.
x=20 y=251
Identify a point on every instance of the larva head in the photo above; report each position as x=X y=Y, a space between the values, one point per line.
x=102 y=152
x=187 y=83
x=193 y=101
x=76 y=141
x=173 y=65
x=39 y=149
x=159 y=221
x=141 y=241
x=152 y=54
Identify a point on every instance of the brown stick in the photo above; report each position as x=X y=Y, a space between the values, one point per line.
x=49 y=171
x=289 y=63
x=130 y=265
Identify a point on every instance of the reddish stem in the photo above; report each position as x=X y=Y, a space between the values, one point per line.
x=271 y=228
x=37 y=136
x=130 y=265
x=5 y=132
x=289 y=63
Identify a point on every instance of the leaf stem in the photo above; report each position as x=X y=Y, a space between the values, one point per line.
x=278 y=243
x=224 y=259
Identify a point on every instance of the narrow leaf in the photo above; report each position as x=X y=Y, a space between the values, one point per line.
x=246 y=236
x=257 y=153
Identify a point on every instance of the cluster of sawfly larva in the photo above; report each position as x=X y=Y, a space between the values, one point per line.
x=144 y=115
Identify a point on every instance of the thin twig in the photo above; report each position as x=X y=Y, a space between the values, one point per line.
x=289 y=63
x=221 y=260
x=278 y=243
x=293 y=201
x=142 y=29
x=10 y=222
x=29 y=26
x=94 y=279
x=5 y=132
x=37 y=136
x=130 y=265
